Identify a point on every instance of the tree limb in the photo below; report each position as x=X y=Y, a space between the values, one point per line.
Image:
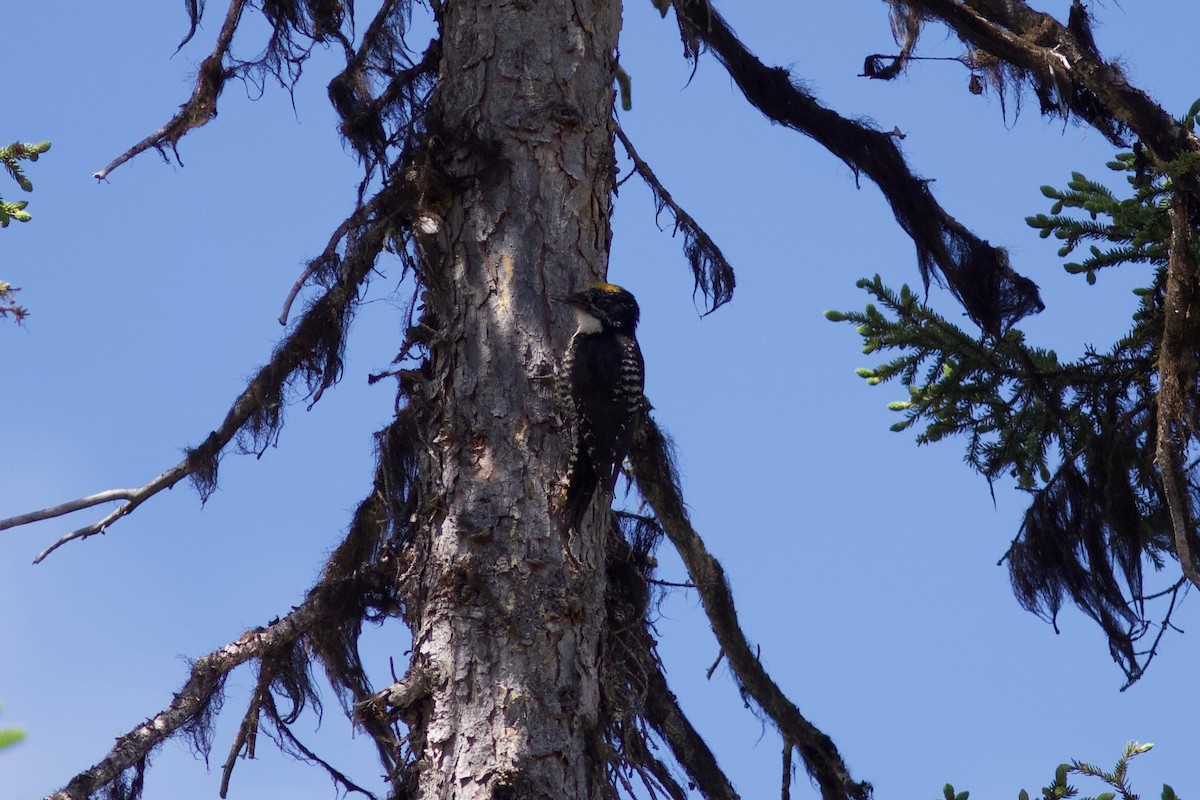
x=133 y=498
x=312 y=350
x=1177 y=370
x=711 y=270
x=205 y=680
x=977 y=273
x=99 y=498
x=691 y=751
x=1063 y=56
x=656 y=482
x=201 y=106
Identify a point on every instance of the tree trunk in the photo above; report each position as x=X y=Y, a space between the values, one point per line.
x=505 y=606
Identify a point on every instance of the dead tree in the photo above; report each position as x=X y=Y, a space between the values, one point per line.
x=489 y=167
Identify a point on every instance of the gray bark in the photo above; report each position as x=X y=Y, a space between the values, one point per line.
x=507 y=607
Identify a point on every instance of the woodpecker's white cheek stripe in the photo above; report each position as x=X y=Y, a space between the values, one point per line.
x=587 y=323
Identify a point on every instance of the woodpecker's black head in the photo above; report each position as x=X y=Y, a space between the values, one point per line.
x=606 y=307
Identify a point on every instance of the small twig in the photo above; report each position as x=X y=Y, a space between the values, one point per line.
x=1172 y=589
x=309 y=269
x=66 y=508
x=1166 y=624
x=874 y=70
x=133 y=498
x=671 y=584
x=246 y=738
x=720 y=655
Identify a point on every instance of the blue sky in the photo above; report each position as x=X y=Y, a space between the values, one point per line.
x=863 y=565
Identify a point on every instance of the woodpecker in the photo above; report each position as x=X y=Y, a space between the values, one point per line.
x=601 y=387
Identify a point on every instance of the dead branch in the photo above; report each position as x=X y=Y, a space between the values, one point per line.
x=206 y=677
x=655 y=478
x=133 y=498
x=712 y=271
x=1177 y=371
x=328 y=255
x=978 y=274
x=304 y=350
x=1063 y=56
x=201 y=106
x=691 y=751
x=786 y=781
x=245 y=741
x=73 y=505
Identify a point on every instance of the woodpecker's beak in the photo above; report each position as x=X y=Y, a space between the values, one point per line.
x=577 y=300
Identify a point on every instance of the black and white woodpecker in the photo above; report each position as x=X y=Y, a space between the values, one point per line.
x=603 y=377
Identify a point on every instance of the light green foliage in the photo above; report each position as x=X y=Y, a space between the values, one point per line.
x=1134 y=229
x=11 y=158
x=1021 y=410
x=1059 y=789
x=10 y=736
x=948 y=793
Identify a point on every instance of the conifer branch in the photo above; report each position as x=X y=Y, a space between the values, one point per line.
x=1100 y=441
x=11 y=157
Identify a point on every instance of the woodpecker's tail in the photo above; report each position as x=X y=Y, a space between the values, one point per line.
x=581 y=489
